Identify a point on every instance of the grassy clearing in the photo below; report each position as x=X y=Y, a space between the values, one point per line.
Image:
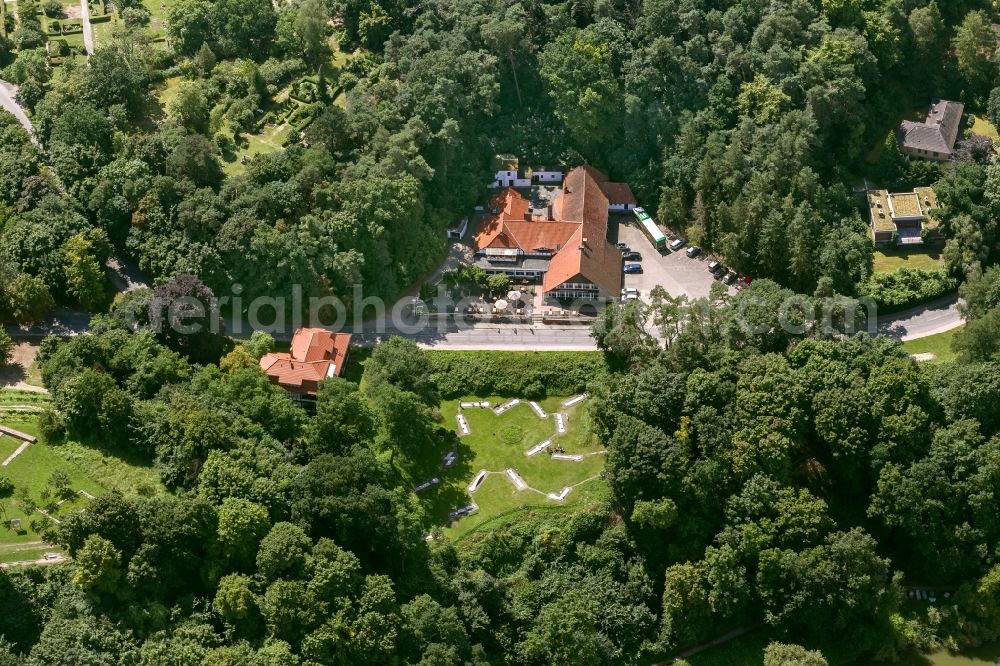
x=22 y=552
x=271 y=140
x=499 y=442
x=978 y=124
x=102 y=31
x=939 y=345
x=158 y=15
x=887 y=260
x=167 y=90
x=16 y=397
x=916 y=113
x=94 y=471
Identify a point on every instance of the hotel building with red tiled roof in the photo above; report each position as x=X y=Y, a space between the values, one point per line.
x=564 y=246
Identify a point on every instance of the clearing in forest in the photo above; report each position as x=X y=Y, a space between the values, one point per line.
x=513 y=440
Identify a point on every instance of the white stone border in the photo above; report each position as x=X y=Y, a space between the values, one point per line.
x=516 y=479
x=574 y=400
x=538 y=410
x=16 y=453
x=463 y=424
x=538 y=448
x=427 y=484
x=559 y=497
x=575 y=457
x=507 y=405
x=561 y=423
x=478 y=480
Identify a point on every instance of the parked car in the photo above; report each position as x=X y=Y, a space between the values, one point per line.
x=693 y=251
x=630 y=294
x=623 y=247
x=632 y=255
x=633 y=268
x=678 y=244
x=730 y=277
x=715 y=267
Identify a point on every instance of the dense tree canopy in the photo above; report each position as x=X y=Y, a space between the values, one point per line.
x=761 y=471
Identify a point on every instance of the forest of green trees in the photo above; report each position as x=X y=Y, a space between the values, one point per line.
x=747 y=123
x=794 y=485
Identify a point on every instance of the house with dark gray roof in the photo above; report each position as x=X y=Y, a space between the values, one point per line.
x=933 y=139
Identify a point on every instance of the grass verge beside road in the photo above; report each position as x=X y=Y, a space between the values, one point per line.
x=939 y=345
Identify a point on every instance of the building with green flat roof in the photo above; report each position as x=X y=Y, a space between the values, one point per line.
x=906 y=217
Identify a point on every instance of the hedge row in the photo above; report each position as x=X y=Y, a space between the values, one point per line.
x=530 y=375
x=907 y=287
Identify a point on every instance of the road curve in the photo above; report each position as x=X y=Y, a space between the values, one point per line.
x=931 y=318
x=8 y=101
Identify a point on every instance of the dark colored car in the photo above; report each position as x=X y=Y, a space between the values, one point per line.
x=632 y=256
x=633 y=268
x=693 y=251
x=623 y=247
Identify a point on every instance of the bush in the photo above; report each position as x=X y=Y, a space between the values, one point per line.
x=52 y=8
x=907 y=287
x=515 y=374
x=225 y=143
x=6 y=486
x=275 y=72
x=52 y=425
x=534 y=391
x=512 y=434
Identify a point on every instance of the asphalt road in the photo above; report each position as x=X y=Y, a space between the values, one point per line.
x=920 y=322
x=8 y=91
x=88 y=34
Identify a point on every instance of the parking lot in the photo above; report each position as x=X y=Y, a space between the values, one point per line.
x=674 y=271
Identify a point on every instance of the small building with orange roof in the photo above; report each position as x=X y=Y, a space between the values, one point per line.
x=316 y=354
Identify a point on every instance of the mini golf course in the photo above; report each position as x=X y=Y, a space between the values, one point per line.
x=514 y=454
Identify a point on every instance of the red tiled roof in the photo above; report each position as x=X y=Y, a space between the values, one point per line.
x=579 y=212
x=619 y=193
x=317 y=354
x=513 y=227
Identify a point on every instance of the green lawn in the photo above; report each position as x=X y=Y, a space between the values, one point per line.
x=97 y=472
x=983 y=127
x=498 y=442
x=271 y=140
x=158 y=15
x=168 y=90
x=939 y=345
x=888 y=260
x=102 y=31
